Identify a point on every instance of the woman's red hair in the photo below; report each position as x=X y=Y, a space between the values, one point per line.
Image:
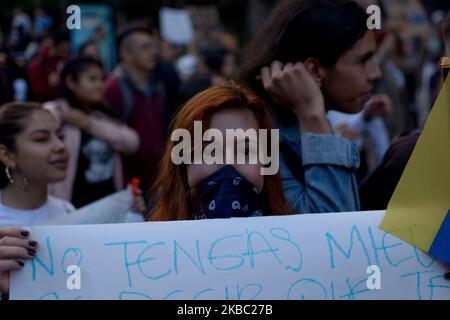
x=171 y=191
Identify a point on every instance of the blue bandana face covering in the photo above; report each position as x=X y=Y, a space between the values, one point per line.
x=226 y=194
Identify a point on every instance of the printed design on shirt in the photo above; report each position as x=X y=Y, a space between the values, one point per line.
x=212 y=205
x=100 y=159
x=236 y=205
x=257 y=213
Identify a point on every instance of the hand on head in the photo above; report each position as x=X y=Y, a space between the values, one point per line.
x=292 y=85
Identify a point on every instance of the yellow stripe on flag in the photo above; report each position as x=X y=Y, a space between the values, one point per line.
x=422 y=197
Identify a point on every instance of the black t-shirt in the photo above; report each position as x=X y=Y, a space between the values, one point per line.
x=94 y=177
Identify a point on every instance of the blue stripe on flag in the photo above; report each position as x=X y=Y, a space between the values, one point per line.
x=441 y=244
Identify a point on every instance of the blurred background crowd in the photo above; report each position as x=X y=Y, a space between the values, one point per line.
x=192 y=46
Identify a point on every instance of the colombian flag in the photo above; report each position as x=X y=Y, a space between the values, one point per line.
x=418 y=212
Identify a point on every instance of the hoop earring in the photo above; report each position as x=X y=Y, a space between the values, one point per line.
x=8 y=175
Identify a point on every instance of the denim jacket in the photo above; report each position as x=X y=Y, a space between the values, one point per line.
x=327 y=163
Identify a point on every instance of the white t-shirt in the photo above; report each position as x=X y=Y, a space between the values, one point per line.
x=50 y=210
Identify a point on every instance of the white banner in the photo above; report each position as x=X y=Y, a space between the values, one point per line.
x=321 y=256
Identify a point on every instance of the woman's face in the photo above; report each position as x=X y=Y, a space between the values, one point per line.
x=222 y=120
x=90 y=86
x=40 y=153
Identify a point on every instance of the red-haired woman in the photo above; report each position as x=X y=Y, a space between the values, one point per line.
x=195 y=191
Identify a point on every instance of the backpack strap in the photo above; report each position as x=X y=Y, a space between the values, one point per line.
x=127 y=99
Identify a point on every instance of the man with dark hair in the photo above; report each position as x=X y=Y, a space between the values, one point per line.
x=142 y=93
x=310 y=57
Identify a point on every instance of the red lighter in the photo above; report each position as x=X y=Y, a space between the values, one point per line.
x=135 y=186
